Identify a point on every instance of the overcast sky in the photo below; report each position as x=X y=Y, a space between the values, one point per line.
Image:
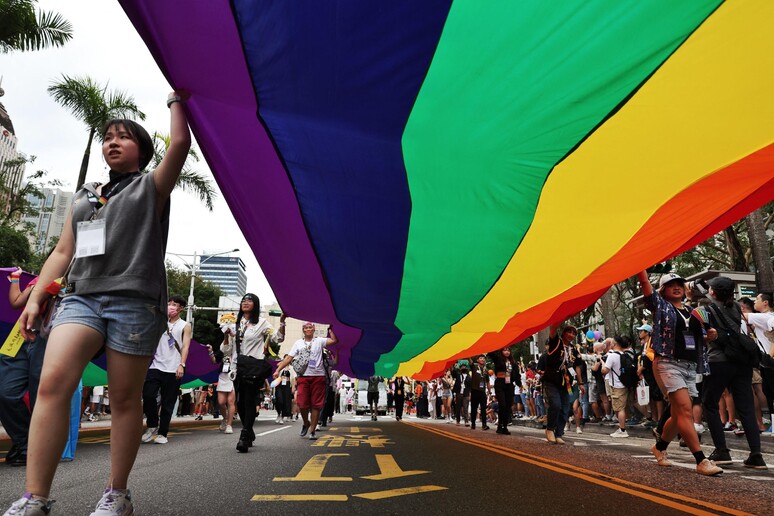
x=108 y=49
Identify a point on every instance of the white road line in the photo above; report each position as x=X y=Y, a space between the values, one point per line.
x=272 y=431
x=770 y=479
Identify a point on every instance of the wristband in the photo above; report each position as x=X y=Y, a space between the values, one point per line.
x=181 y=365
x=172 y=100
x=12 y=279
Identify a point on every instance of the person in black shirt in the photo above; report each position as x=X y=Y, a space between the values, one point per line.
x=505 y=369
x=557 y=381
x=479 y=388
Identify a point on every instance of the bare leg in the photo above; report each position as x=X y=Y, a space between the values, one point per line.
x=126 y=375
x=760 y=402
x=70 y=347
x=231 y=405
x=681 y=421
x=315 y=419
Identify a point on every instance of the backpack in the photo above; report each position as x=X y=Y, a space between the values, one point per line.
x=628 y=375
x=739 y=348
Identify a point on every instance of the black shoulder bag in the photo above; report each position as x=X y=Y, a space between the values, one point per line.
x=250 y=368
x=738 y=347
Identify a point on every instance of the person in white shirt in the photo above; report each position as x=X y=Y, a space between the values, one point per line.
x=620 y=394
x=165 y=372
x=311 y=384
x=253 y=335
x=760 y=326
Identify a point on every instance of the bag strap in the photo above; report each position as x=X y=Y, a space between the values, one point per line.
x=177 y=346
x=722 y=318
x=751 y=333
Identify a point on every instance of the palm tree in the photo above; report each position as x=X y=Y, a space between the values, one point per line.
x=94 y=105
x=24 y=29
x=189 y=179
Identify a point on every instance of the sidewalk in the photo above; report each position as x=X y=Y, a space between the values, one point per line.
x=104 y=423
x=734 y=442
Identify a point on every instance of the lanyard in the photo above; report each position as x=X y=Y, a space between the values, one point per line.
x=685 y=319
x=114 y=187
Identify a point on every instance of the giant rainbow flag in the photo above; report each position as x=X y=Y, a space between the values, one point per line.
x=447 y=177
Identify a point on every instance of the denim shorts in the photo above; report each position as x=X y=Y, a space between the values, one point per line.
x=673 y=374
x=129 y=325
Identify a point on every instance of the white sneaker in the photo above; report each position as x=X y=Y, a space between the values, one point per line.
x=578 y=430
x=277 y=421
x=619 y=433
x=149 y=434
x=708 y=468
x=26 y=506
x=114 y=503
x=162 y=439
x=282 y=421
x=699 y=428
x=228 y=430
x=222 y=426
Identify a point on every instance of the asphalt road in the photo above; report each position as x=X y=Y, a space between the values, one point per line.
x=386 y=467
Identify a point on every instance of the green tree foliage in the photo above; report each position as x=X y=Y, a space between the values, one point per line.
x=15 y=250
x=206 y=294
x=189 y=180
x=94 y=105
x=23 y=28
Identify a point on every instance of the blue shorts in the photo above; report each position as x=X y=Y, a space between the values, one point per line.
x=129 y=325
x=673 y=374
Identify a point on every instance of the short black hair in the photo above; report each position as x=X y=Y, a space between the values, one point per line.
x=749 y=303
x=179 y=300
x=623 y=340
x=138 y=133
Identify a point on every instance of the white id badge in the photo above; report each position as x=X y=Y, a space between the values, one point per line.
x=690 y=342
x=284 y=381
x=90 y=238
x=226 y=367
x=507 y=379
x=481 y=385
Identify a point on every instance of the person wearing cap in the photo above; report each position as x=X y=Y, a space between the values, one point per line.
x=678 y=345
x=253 y=335
x=311 y=385
x=560 y=358
x=726 y=374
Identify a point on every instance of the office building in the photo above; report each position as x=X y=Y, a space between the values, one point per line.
x=227 y=272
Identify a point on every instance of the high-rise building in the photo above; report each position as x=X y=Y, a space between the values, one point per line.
x=227 y=272
x=48 y=223
x=10 y=174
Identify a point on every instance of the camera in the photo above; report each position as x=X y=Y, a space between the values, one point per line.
x=699 y=286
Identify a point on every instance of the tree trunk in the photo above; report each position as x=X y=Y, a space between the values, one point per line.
x=85 y=162
x=764 y=271
x=607 y=305
x=735 y=249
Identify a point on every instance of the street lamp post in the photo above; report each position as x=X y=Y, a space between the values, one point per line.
x=194 y=269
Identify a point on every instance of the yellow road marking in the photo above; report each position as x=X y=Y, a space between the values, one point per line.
x=299 y=498
x=594 y=477
x=313 y=470
x=391 y=493
x=390 y=469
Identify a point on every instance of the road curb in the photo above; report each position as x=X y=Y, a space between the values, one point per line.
x=732 y=441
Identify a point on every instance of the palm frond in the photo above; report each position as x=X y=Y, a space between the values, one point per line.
x=199 y=185
x=189 y=180
x=24 y=31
